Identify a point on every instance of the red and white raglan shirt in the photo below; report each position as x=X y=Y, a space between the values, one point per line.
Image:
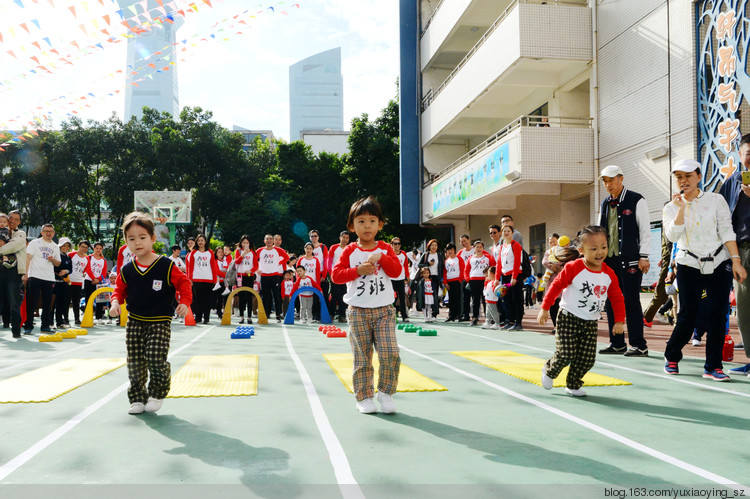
x=321 y=253
x=510 y=259
x=495 y=250
x=404 y=261
x=334 y=254
x=428 y=292
x=272 y=262
x=453 y=269
x=222 y=264
x=367 y=291
x=203 y=267
x=96 y=268
x=79 y=264
x=306 y=281
x=584 y=291
x=246 y=265
x=464 y=254
x=477 y=265
x=312 y=268
x=286 y=288
x=179 y=263
x=489 y=291
x=124 y=256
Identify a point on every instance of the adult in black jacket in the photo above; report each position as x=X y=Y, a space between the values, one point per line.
x=435 y=260
x=625 y=216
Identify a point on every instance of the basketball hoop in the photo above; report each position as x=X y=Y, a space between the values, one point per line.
x=161 y=220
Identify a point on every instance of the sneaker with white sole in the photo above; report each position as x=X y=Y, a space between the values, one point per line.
x=367 y=406
x=575 y=392
x=696 y=342
x=546 y=380
x=486 y=325
x=226 y=292
x=153 y=404
x=217 y=287
x=136 y=408
x=387 y=405
x=494 y=326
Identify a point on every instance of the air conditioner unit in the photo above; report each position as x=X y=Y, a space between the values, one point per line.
x=513 y=175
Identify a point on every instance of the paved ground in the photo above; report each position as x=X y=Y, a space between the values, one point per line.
x=489 y=435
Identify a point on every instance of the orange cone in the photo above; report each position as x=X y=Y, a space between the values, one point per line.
x=190 y=318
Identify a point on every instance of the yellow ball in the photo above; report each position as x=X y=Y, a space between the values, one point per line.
x=563 y=241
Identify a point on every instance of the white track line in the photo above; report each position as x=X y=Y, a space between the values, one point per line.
x=616 y=366
x=52 y=355
x=594 y=427
x=344 y=476
x=45 y=442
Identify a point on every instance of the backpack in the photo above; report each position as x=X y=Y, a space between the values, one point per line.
x=525 y=265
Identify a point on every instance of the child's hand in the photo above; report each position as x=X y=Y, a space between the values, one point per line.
x=542 y=317
x=375 y=257
x=114 y=309
x=618 y=328
x=366 y=268
x=182 y=310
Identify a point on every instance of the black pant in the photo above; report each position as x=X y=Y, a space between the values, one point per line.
x=477 y=289
x=454 y=299
x=400 y=303
x=11 y=290
x=270 y=291
x=513 y=300
x=246 y=298
x=325 y=288
x=553 y=311
x=88 y=288
x=691 y=284
x=337 y=299
x=435 y=292
x=75 y=299
x=220 y=299
x=62 y=302
x=630 y=284
x=202 y=300
x=34 y=288
x=528 y=291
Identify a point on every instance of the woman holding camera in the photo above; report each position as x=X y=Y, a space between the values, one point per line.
x=700 y=224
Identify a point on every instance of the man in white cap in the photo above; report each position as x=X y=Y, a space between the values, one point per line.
x=625 y=216
x=737 y=195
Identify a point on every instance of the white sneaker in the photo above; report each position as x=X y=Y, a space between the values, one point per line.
x=486 y=325
x=546 y=380
x=153 y=404
x=660 y=318
x=217 y=287
x=136 y=408
x=367 y=406
x=494 y=326
x=226 y=292
x=696 y=342
x=575 y=393
x=387 y=405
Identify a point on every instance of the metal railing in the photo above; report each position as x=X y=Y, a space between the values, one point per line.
x=432 y=93
x=534 y=121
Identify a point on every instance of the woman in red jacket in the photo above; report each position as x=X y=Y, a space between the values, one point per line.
x=204 y=273
x=510 y=262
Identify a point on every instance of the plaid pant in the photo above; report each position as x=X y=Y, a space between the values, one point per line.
x=148 y=345
x=370 y=327
x=575 y=342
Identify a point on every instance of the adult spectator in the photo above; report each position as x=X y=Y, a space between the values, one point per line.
x=737 y=195
x=42 y=255
x=435 y=261
x=464 y=254
x=706 y=259
x=338 y=305
x=399 y=283
x=61 y=292
x=453 y=279
x=508 y=220
x=320 y=251
x=12 y=278
x=277 y=240
x=624 y=215
x=79 y=261
x=660 y=292
x=272 y=263
x=495 y=249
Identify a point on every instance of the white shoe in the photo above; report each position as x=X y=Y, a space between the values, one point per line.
x=486 y=325
x=367 y=406
x=696 y=342
x=217 y=287
x=153 y=404
x=575 y=393
x=136 y=408
x=660 y=319
x=226 y=292
x=387 y=405
x=494 y=326
x=546 y=380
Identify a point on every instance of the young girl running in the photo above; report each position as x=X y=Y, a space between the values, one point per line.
x=203 y=272
x=367 y=267
x=585 y=284
x=247 y=264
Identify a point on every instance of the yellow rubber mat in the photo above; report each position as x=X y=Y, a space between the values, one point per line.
x=409 y=380
x=529 y=368
x=216 y=376
x=48 y=383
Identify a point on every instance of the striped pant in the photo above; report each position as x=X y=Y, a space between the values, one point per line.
x=148 y=345
x=376 y=327
x=575 y=342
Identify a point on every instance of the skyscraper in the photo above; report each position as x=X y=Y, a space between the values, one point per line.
x=316 y=94
x=158 y=88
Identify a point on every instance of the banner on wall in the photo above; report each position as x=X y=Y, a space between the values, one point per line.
x=482 y=176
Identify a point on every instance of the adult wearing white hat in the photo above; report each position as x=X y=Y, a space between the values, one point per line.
x=700 y=224
x=625 y=216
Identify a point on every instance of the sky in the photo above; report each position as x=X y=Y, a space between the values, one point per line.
x=242 y=78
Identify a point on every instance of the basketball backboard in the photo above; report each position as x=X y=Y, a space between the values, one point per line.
x=174 y=206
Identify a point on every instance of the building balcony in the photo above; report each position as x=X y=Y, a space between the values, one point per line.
x=529 y=157
x=529 y=48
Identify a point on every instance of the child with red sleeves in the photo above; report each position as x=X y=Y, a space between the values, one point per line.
x=306 y=297
x=246 y=262
x=367 y=267
x=585 y=284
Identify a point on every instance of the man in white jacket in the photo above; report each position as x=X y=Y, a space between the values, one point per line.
x=11 y=284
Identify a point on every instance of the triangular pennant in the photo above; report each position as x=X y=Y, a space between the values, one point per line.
x=72 y=10
x=46 y=39
x=23 y=25
x=19 y=3
x=106 y=19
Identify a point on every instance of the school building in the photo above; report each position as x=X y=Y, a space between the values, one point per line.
x=514 y=106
